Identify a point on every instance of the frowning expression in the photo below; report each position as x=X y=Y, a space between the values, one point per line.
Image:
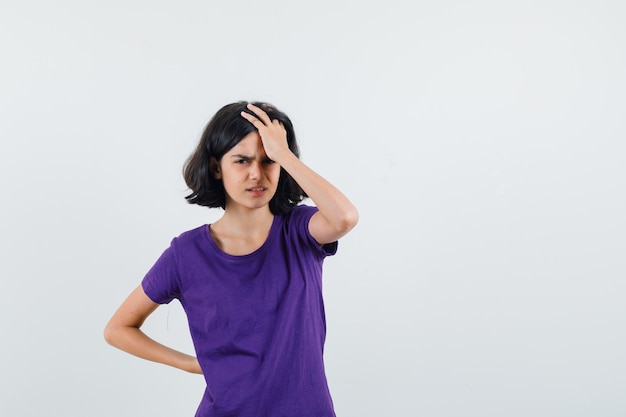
x=250 y=178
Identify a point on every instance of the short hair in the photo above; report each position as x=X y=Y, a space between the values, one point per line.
x=225 y=130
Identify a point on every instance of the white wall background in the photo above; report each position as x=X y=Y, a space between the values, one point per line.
x=483 y=142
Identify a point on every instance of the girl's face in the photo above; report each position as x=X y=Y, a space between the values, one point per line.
x=250 y=178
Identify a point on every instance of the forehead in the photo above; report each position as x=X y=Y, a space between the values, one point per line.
x=248 y=145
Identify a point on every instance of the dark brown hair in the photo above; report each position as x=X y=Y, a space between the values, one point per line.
x=223 y=132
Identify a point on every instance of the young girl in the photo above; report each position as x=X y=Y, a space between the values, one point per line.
x=250 y=283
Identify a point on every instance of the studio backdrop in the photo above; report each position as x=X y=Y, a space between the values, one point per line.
x=482 y=142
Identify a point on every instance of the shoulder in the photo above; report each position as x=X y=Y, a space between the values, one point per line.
x=298 y=218
x=189 y=242
x=296 y=225
x=191 y=235
x=301 y=212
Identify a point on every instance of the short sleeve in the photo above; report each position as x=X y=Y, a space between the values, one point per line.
x=300 y=217
x=162 y=284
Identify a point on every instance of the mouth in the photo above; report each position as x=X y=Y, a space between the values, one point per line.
x=256 y=189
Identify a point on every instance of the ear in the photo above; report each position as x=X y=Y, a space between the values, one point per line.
x=214 y=167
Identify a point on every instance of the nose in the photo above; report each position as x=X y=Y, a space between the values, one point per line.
x=255 y=172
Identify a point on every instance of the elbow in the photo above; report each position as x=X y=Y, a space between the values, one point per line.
x=111 y=334
x=353 y=218
x=108 y=334
x=348 y=221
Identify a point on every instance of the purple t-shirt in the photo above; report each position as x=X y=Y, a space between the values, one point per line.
x=257 y=321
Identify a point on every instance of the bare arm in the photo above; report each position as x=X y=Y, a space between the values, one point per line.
x=336 y=215
x=123 y=332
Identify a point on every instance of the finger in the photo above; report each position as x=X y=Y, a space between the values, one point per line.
x=260 y=113
x=249 y=117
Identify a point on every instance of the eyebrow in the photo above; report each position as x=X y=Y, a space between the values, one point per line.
x=246 y=157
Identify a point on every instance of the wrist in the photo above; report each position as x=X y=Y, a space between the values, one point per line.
x=284 y=158
x=192 y=365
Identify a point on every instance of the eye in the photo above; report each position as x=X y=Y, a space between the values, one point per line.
x=241 y=161
x=268 y=161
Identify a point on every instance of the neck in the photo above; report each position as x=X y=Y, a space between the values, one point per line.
x=246 y=222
